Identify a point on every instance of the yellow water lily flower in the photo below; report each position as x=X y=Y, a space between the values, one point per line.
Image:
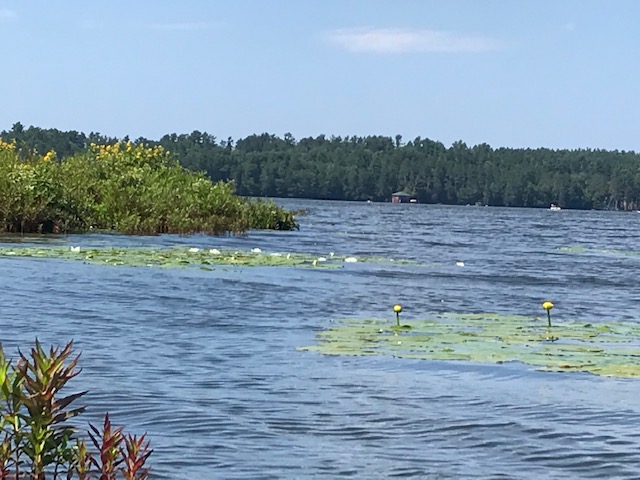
x=397 y=308
x=548 y=306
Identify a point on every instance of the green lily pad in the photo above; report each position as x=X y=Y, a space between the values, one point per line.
x=611 y=349
x=181 y=257
x=610 y=251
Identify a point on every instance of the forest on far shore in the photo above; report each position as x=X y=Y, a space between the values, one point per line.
x=374 y=167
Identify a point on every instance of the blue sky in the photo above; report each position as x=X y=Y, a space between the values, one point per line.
x=528 y=73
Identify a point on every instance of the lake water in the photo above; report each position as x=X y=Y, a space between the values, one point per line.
x=206 y=361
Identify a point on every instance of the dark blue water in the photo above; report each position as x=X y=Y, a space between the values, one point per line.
x=206 y=362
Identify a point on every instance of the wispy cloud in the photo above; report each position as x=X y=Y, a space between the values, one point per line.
x=387 y=40
x=6 y=14
x=178 y=26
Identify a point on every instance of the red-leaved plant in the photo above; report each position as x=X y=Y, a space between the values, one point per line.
x=35 y=440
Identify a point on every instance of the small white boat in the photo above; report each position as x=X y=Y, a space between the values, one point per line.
x=554 y=208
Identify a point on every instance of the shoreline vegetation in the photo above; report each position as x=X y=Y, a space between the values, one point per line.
x=122 y=187
x=373 y=167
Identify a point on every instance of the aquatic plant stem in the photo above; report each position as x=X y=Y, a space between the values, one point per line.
x=547 y=305
x=550 y=336
x=397 y=308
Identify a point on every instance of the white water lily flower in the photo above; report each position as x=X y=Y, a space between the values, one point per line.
x=331 y=254
x=194 y=250
x=288 y=256
x=351 y=260
x=459 y=264
x=276 y=254
x=322 y=259
x=11 y=253
x=75 y=249
x=314 y=263
x=214 y=251
x=255 y=250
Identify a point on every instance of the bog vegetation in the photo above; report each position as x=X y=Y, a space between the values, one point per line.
x=124 y=187
x=374 y=167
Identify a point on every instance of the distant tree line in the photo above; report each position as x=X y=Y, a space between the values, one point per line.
x=374 y=167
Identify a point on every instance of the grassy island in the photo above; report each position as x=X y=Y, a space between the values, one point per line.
x=124 y=187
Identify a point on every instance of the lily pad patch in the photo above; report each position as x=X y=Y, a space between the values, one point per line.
x=182 y=257
x=611 y=349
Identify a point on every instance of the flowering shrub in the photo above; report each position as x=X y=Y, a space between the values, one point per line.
x=126 y=187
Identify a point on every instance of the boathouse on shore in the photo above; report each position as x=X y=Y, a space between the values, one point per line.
x=402 y=197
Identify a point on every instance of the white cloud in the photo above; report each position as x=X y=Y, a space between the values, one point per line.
x=6 y=14
x=387 y=40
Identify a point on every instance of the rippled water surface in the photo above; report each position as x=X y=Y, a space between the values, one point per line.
x=206 y=361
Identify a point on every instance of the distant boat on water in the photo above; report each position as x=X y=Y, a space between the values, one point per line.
x=554 y=207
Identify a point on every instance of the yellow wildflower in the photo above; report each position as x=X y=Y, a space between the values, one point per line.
x=7 y=146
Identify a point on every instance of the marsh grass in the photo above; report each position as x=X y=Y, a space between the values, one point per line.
x=123 y=187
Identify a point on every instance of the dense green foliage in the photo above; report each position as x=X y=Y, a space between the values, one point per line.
x=122 y=187
x=361 y=168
